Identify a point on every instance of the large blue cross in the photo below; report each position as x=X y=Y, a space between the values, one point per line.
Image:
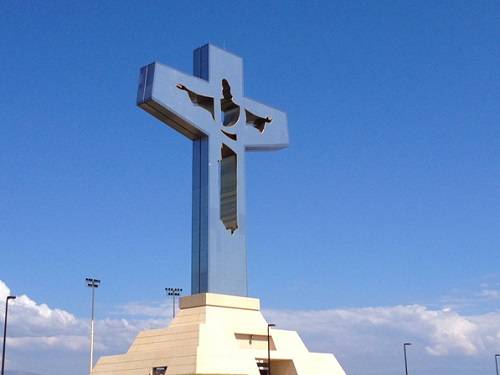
x=210 y=109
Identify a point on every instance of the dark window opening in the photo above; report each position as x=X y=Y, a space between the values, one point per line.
x=234 y=137
x=160 y=370
x=228 y=189
x=262 y=366
x=230 y=110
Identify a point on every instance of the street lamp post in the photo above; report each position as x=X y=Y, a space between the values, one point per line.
x=496 y=361
x=93 y=284
x=269 y=349
x=406 y=361
x=174 y=292
x=5 y=329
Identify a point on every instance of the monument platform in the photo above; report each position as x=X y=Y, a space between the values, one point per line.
x=216 y=334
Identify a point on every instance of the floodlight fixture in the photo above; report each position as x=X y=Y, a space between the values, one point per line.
x=92 y=283
x=174 y=291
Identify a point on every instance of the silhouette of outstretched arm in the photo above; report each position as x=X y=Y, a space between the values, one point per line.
x=205 y=102
x=258 y=122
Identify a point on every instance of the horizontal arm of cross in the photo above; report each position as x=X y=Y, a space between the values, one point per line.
x=162 y=93
x=271 y=133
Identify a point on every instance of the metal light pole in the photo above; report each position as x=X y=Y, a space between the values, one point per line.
x=5 y=328
x=496 y=361
x=93 y=284
x=406 y=361
x=174 y=292
x=269 y=348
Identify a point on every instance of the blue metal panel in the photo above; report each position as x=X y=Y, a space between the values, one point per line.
x=200 y=62
x=209 y=108
x=199 y=253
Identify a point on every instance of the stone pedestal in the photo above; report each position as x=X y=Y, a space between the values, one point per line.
x=216 y=334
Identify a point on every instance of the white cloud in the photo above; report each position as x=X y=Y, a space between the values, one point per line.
x=34 y=326
x=4 y=290
x=441 y=332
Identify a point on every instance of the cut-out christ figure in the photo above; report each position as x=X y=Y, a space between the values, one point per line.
x=209 y=108
x=230 y=112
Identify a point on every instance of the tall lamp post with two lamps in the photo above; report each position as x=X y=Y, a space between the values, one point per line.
x=93 y=284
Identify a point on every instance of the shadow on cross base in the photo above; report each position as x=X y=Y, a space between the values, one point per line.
x=217 y=334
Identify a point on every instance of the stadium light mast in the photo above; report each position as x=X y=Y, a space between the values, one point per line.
x=174 y=292
x=496 y=361
x=93 y=284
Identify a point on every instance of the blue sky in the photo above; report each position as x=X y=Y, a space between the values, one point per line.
x=388 y=195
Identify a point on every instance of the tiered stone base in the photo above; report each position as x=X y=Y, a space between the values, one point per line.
x=216 y=334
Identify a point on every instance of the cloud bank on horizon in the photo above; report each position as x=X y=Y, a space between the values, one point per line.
x=39 y=333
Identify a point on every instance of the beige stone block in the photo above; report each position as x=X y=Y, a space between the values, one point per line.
x=219 y=300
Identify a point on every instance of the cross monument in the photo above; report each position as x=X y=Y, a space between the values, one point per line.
x=209 y=108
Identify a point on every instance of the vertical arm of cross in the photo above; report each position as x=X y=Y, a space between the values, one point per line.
x=164 y=92
x=266 y=128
